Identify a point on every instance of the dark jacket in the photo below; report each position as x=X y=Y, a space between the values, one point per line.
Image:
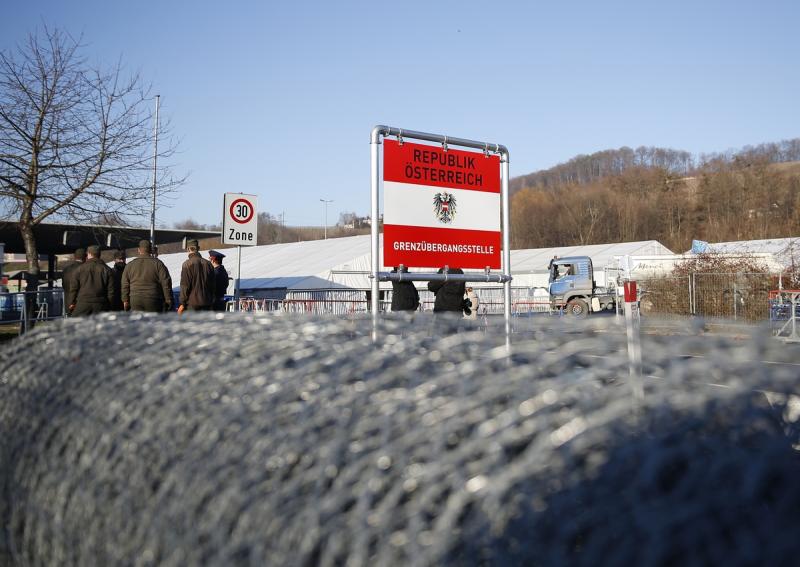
x=148 y=279
x=405 y=296
x=93 y=288
x=220 y=287
x=117 y=272
x=197 y=282
x=449 y=295
x=68 y=276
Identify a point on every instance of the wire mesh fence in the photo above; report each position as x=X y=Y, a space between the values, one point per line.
x=736 y=297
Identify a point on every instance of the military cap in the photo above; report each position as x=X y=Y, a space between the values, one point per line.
x=216 y=254
x=192 y=244
x=94 y=250
x=144 y=246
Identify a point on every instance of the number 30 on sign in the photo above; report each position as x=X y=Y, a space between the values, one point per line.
x=239 y=219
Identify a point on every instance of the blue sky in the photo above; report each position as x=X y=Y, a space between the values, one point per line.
x=278 y=98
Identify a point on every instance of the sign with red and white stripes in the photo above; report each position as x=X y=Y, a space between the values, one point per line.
x=441 y=208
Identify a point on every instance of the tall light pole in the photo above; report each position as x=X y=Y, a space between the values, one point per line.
x=325 y=206
x=155 y=176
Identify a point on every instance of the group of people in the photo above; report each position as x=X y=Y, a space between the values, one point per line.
x=144 y=284
x=451 y=296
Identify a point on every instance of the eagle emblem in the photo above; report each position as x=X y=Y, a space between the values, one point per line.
x=444 y=205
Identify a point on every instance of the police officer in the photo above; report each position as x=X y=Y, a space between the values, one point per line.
x=93 y=286
x=220 y=279
x=197 y=281
x=146 y=283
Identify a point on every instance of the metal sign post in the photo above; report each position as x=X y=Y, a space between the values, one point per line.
x=462 y=176
x=240 y=227
x=632 y=323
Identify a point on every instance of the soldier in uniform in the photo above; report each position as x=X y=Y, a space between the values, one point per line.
x=197 y=281
x=118 y=269
x=146 y=283
x=220 y=279
x=92 y=289
x=68 y=271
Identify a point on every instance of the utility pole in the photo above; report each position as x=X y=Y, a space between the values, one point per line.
x=155 y=176
x=325 y=206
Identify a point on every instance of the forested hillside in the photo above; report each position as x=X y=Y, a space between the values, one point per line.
x=662 y=194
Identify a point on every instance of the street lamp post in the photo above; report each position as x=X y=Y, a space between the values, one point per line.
x=325 y=206
x=155 y=175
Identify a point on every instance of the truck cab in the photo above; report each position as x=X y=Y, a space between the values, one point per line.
x=573 y=289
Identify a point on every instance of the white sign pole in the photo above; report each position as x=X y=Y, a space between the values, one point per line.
x=237 y=283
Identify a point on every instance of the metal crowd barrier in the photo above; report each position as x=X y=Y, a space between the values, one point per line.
x=43 y=305
x=785 y=314
x=350 y=302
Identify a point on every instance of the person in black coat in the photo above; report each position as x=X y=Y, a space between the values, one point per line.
x=405 y=296
x=117 y=270
x=220 y=279
x=449 y=295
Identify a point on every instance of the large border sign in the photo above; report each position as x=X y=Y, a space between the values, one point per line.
x=441 y=207
x=240 y=219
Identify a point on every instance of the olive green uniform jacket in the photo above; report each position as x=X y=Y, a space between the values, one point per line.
x=93 y=289
x=147 y=285
x=197 y=283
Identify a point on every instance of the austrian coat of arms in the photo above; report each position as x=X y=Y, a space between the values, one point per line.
x=444 y=205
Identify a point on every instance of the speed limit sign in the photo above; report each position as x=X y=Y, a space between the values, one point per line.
x=240 y=219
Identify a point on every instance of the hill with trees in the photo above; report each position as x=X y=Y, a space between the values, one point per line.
x=662 y=194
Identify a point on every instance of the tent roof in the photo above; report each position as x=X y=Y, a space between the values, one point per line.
x=535 y=260
x=345 y=262
x=295 y=265
x=785 y=250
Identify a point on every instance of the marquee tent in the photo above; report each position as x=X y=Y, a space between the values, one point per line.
x=344 y=263
x=785 y=251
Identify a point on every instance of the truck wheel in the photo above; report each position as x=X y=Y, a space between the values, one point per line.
x=577 y=308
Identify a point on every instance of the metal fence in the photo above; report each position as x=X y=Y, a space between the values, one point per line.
x=18 y=308
x=784 y=307
x=346 y=302
x=737 y=297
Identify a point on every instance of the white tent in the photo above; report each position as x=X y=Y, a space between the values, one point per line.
x=785 y=251
x=344 y=263
x=291 y=266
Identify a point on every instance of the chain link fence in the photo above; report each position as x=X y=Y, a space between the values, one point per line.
x=734 y=297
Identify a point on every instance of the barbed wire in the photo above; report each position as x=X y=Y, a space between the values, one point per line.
x=281 y=440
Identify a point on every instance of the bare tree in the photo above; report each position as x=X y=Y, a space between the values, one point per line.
x=190 y=224
x=75 y=139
